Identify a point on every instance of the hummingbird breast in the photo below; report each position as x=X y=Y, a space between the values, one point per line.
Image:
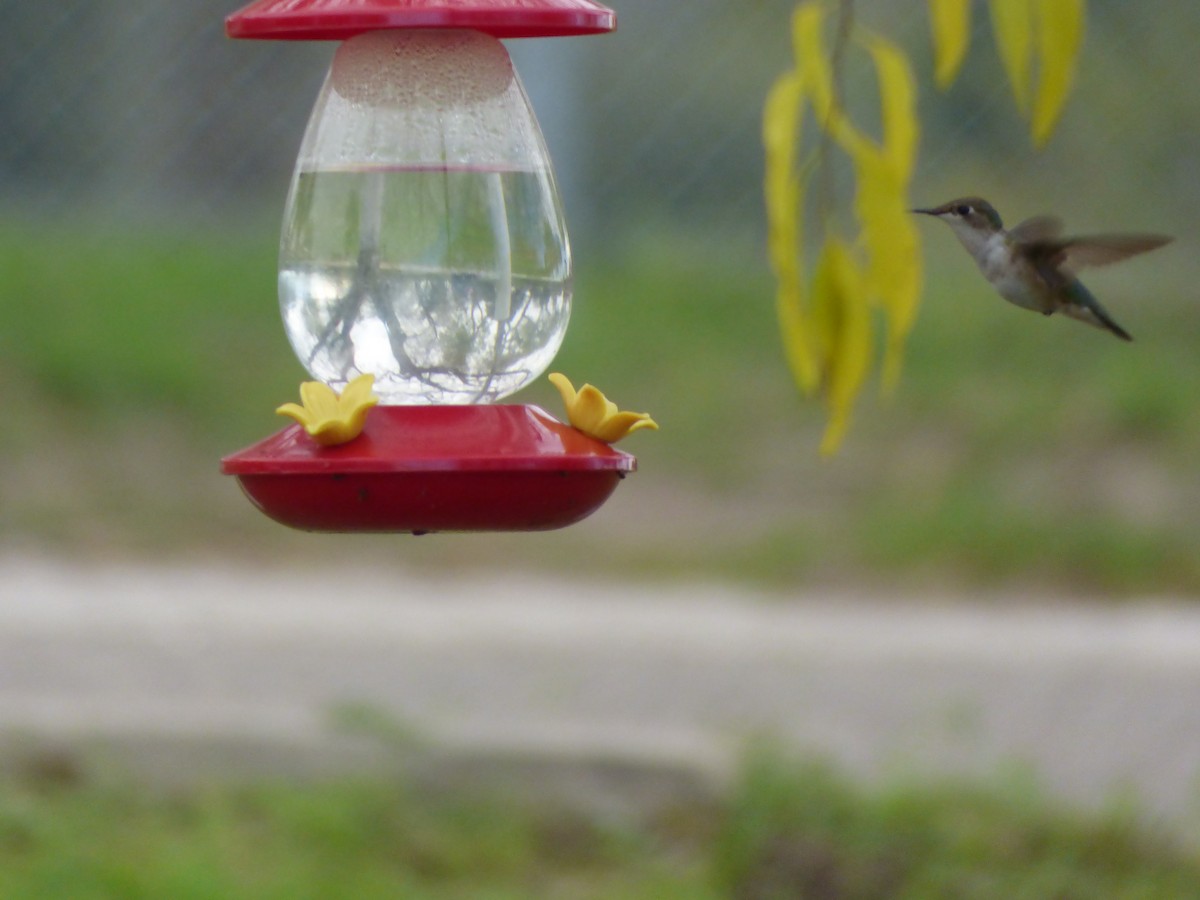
x=1013 y=277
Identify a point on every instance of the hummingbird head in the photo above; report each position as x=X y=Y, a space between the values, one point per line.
x=973 y=213
x=972 y=219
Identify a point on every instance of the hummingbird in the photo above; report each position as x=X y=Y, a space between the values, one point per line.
x=1033 y=266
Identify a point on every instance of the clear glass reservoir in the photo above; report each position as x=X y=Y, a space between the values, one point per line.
x=423 y=240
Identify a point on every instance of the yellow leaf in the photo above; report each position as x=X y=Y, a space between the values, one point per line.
x=811 y=61
x=781 y=126
x=897 y=97
x=891 y=238
x=1060 y=37
x=1012 y=23
x=784 y=197
x=812 y=64
x=888 y=233
x=950 y=23
x=840 y=308
x=902 y=295
x=794 y=330
x=826 y=326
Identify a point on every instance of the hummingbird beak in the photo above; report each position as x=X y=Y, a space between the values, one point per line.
x=925 y=212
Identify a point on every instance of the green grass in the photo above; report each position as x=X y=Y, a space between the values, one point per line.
x=787 y=829
x=109 y=326
x=1015 y=448
x=792 y=826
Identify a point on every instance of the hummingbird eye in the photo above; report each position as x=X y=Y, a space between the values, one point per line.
x=963 y=210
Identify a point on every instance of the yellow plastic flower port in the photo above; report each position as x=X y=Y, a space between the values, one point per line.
x=328 y=418
x=595 y=415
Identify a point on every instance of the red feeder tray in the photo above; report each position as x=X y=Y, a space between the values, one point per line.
x=433 y=468
x=316 y=20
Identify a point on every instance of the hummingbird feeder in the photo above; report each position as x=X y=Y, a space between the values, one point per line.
x=424 y=245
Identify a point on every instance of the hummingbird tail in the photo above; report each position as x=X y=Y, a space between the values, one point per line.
x=1086 y=308
x=1114 y=327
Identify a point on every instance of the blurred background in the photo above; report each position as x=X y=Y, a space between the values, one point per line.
x=144 y=163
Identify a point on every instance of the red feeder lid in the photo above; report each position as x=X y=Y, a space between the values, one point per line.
x=337 y=20
x=434 y=468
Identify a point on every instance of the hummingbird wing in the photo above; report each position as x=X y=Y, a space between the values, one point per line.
x=1035 y=230
x=1104 y=249
x=1058 y=260
x=1040 y=240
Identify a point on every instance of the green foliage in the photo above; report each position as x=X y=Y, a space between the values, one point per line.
x=361 y=839
x=104 y=325
x=987 y=538
x=802 y=830
x=788 y=829
x=1015 y=449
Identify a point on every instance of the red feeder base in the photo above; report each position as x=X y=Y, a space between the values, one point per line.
x=433 y=468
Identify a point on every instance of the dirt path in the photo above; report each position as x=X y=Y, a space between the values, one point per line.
x=1096 y=698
